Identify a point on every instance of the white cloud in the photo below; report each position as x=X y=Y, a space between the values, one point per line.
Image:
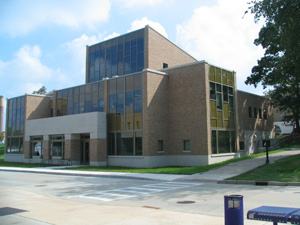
x=140 y=23
x=113 y=35
x=138 y=3
x=220 y=35
x=25 y=72
x=28 y=15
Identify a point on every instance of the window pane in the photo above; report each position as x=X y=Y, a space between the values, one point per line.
x=111 y=144
x=101 y=105
x=138 y=143
x=219 y=102
x=125 y=143
x=186 y=144
x=160 y=145
x=214 y=142
x=225 y=93
x=212 y=91
x=112 y=101
x=223 y=141
x=250 y=111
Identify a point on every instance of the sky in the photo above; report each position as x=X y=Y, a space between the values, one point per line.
x=43 y=42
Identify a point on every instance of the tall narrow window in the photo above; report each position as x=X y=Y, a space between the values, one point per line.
x=219 y=101
x=186 y=145
x=255 y=113
x=212 y=91
x=250 y=111
x=160 y=145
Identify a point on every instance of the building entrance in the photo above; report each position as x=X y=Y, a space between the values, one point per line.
x=85 y=150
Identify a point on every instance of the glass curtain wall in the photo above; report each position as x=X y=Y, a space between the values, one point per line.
x=125 y=115
x=222 y=110
x=82 y=99
x=15 y=125
x=118 y=56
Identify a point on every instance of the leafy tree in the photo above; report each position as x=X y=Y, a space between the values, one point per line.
x=41 y=91
x=1 y=136
x=280 y=65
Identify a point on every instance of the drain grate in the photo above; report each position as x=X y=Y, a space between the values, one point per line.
x=185 y=202
x=261 y=183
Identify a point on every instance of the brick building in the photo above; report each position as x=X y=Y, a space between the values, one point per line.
x=146 y=103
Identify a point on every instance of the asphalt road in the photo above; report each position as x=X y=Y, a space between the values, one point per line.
x=29 y=198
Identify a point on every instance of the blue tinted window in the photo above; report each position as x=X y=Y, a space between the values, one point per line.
x=70 y=111
x=102 y=56
x=133 y=67
x=75 y=107
x=112 y=101
x=95 y=107
x=140 y=60
x=129 y=99
x=87 y=106
x=140 y=44
x=120 y=103
x=92 y=59
x=127 y=48
x=133 y=42
x=138 y=101
x=127 y=65
x=101 y=105
x=114 y=67
x=133 y=54
x=114 y=52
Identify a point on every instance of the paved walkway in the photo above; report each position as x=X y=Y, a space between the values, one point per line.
x=214 y=175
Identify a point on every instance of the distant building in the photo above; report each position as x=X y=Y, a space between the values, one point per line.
x=146 y=103
x=1 y=112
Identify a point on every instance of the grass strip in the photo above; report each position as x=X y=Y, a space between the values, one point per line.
x=283 y=170
x=170 y=170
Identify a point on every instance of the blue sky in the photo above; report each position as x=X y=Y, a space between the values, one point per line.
x=42 y=42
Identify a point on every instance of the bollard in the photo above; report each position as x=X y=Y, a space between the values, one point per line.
x=234 y=211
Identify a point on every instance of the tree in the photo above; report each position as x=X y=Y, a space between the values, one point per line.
x=280 y=66
x=41 y=91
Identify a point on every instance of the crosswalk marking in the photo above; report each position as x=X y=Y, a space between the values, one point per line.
x=130 y=192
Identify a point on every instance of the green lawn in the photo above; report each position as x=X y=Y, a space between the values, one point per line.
x=284 y=170
x=259 y=175
x=169 y=170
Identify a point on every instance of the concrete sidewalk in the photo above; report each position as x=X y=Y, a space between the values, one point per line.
x=240 y=167
x=214 y=175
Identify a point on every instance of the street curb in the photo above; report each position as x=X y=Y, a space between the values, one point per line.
x=259 y=183
x=78 y=174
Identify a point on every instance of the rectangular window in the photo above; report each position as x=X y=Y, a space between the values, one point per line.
x=57 y=145
x=255 y=113
x=37 y=146
x=160 y=145
x=138 y=143
x=165 y=65
x=265 y=114
x=214 y=142
x=186 y=145
x=259 y=114
x=112 y=101
x=87 y=107
x=250 y=111
x=225 y=94
x=212 y=91
x=219 y=101
x=101 y=105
